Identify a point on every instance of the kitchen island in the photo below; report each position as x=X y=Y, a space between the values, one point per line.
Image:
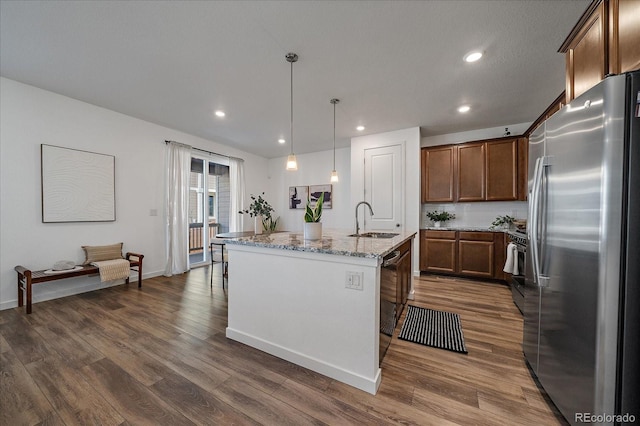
x=313 y=303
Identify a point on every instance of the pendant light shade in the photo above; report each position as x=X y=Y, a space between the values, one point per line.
x=334 y=173
x=292 y=164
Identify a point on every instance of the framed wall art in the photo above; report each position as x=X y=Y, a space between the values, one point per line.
x=298 y=197
x=77 y=186
x=316 y=190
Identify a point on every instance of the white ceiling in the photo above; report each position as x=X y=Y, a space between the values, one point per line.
x=392 y=64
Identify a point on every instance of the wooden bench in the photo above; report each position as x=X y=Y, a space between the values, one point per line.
x=27 y=278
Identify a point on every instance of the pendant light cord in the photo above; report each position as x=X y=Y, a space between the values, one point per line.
x=291 y=107
x=334 y=136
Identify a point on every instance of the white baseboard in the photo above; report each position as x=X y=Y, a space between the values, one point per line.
x=369 y=385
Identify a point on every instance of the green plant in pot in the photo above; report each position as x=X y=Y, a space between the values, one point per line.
x=503 y=222
x=261 y=210
x=312 y=216
x=437 y=217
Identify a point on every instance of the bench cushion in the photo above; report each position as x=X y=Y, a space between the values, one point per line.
x=99 y=253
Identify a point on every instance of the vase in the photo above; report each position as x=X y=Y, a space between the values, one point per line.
x=436 y=224
x=312 y=230
x=257 y=225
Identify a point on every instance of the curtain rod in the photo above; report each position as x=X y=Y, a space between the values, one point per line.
x=210 y=152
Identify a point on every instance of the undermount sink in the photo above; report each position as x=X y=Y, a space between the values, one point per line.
x=375 y=235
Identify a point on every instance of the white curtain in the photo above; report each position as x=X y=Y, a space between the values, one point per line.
x=177 y=207
x=236 y=181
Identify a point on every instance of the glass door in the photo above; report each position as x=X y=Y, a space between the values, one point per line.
x=209 y=193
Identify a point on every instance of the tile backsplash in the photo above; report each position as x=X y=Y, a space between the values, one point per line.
x=475 y=214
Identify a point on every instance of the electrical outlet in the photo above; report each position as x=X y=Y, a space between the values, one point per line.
x=354 y=280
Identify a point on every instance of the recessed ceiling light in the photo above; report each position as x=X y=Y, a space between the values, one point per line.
x=220 y=113
x=464 y=108
x=472 y=56
x=281 y=140
x=360 y=128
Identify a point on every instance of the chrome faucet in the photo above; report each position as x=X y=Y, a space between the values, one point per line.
x=370 y=211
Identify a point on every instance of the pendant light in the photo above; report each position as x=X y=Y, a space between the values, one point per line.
x=334 y=174
x=292 y=164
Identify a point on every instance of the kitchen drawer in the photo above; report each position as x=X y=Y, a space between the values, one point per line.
x=475 y=236
x=441 y=235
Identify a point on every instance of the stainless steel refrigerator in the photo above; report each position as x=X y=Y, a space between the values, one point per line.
x=582 y=298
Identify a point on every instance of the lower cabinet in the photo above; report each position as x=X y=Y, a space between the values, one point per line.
x=441 y=249
x=475 y=254
x=464 y=253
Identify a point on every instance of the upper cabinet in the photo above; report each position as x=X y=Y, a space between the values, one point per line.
x=491 y=170
x=624 y=36
x=438 y=165
x=502 y=170
x=471 y=172
x=606 y=40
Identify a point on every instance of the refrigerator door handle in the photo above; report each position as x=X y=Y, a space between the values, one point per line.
x=533 y=220
x=545 y=163
x=538 y=278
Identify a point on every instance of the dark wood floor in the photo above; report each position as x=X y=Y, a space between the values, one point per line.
x=159 y=356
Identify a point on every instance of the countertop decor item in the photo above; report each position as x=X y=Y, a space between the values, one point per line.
x=520 y=224
x=261 y=210
x=503 y=222
x=438 y=217
x=312 y=216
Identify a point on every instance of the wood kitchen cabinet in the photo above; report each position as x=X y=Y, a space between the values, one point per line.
x=523 y=168
x=465 y=253
x=490 y=170
x=476 y=254
x=502 y=170
x=585 y=55
x=471 y=172
x=438 y=251
x=438 y=165
x=604 y=41
x=624 y=35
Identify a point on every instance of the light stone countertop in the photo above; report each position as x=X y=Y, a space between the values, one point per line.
x=464 y=228
x=336 y=242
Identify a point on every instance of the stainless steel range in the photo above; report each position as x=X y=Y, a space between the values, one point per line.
x=519 y=239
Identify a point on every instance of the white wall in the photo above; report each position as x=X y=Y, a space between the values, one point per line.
x=313 y=169
x=29 y=117
x=479 y=214
x=411 y=140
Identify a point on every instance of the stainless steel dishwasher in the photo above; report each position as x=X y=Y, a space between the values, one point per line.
x=388 y=300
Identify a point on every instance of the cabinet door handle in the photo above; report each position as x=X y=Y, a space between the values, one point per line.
x=391 y=260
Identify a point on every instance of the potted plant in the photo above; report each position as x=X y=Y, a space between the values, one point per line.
x=438 y=217
x=260 y=210
x=312 y=216
x=503 y=222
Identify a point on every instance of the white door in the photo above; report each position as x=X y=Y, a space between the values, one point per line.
x=384 y=187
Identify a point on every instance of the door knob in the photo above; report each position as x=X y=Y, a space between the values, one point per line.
x=397 y=225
